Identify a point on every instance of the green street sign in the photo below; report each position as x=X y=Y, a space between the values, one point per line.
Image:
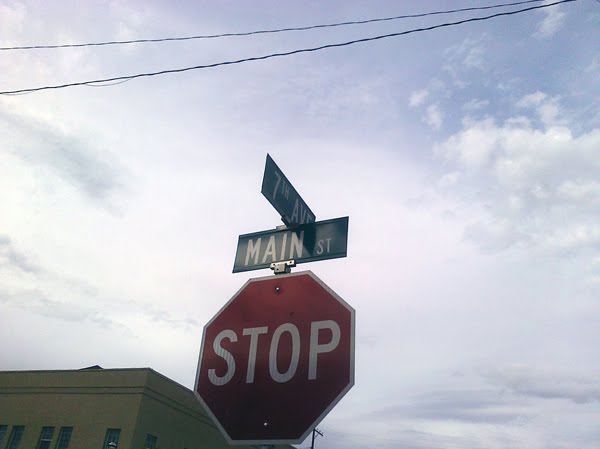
x=321 y=240
x=283 y=196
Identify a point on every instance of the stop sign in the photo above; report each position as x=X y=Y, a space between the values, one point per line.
x=276 y=359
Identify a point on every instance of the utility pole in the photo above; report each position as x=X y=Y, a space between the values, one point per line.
x=314 y=435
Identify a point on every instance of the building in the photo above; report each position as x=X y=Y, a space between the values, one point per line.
x=97 y=408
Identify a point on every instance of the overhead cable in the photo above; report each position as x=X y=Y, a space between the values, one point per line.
x=278 y=30
x=288 y=53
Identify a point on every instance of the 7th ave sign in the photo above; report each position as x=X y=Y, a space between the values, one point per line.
x=283 y=196
x=276 y=359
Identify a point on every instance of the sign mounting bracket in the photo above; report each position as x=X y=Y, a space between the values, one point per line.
x=284 y=267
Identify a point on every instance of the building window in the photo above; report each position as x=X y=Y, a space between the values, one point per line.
x=64 y=437
x=150 y=441
x=15 y=437
x=111 y=440
x=3 y=430
x=45 y=437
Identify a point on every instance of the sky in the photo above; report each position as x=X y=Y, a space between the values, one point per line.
x=466 y=157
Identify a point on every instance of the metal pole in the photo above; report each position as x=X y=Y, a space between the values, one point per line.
x=314 y=435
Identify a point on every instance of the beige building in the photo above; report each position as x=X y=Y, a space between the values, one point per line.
x=97 y=408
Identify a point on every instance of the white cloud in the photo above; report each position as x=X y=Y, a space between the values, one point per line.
x=418 y=97
x=38 y=141
x=465 y=405
x=549 y=113
x=574 y=237
x=463 y=58
x=530 y=100
x=594 y=66
x=541 y=182
x=551 y=23
x=434 y=116
x=519 y=121
x=578 y=190
x=11 y=257
x=449 y=180
x=494 y=235
x=473 y=146
x=131 y=20
x=547 y=383
x=508 y=85
x=475 y=104
x=469 y=53
x=12 y=18
x=35 y=301
x=547 y=109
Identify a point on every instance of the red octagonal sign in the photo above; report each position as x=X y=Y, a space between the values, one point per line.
x=276 y=359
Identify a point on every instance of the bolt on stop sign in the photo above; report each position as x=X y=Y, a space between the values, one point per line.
x=276 y=359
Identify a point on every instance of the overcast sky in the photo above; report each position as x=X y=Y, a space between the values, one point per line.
x=467 y=159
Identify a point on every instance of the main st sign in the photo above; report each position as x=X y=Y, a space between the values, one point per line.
x=327 y=239
x=276 y=358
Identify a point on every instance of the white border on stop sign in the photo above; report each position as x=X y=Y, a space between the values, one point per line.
x=331 y=405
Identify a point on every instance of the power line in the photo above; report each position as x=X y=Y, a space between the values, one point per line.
x=279 y=30
x=93 y=84
x=277 y=55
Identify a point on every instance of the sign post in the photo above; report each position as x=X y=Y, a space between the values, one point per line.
x=280 y=354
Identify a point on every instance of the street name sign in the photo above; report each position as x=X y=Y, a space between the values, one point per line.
x=283 y=196
x=276 y=359
x=321 y=240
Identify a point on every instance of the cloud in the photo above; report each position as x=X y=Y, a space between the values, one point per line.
x=85 y=306
x=574 y=237
x=12 y=257
x=547 y=109
x=345 y=437
x=36 y=301
x=493 y=236
x=74 y=159
x=12 y=18
x=550 y=24
x=594 y=66
x=463 y=58
x=546 y=384
x=473 y=146
x=469 y=53
x=534 y=99
x=41 y=291
x=449 y=180
x=579 y=190
x=158 y=315
x=536 y=183
x=434 y=116
x=418 y=97
x=460 y=405
x=475 y=105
